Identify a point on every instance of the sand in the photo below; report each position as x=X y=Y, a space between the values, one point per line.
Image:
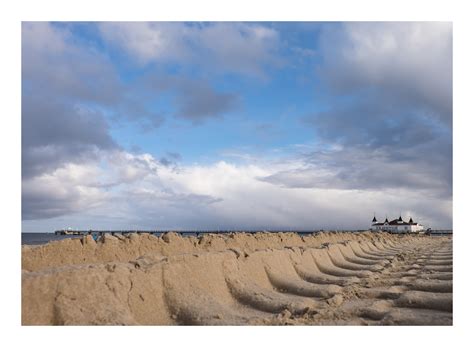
x=239 y=279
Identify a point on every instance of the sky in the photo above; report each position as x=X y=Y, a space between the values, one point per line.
x=235 y=125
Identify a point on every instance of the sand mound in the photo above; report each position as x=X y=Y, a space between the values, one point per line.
x=239 y=279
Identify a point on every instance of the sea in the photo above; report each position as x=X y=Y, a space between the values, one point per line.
x=42 y=238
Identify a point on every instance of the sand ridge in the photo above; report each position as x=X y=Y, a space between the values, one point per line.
x=239 y=279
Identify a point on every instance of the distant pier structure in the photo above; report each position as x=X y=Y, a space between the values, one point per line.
x=101 y=232
x=396 y=226
x=69 y=232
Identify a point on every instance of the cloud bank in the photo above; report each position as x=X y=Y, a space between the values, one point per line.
x=382 y=129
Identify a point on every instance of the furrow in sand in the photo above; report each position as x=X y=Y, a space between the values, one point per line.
x=438 y=268
x=437 y=276
x=394 y=245
x=404 y=316
x=434 y=262
x=338 y=260
x=442 y=254
x=315 y=276
x=375 y=247
x=300 y=287
x=326 y=266
x=400 y=247
x=432 y=258
x=429 y=285
x=349 y=255
x=426 y=300
x=365 y=247
x=355 y=246
x=248 y=293
x=383 y=247
x=393 y=292
x=400 y=274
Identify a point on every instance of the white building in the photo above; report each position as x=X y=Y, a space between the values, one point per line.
x=396 y=226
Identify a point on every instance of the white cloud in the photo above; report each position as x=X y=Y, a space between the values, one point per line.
x=216 y=196
x=69 y=189
x=147 y=41
x=226 y=47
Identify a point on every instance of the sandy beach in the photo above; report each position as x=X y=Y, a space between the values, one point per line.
x=240 y=279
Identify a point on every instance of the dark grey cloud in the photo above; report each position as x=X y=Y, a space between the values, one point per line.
x=65 y=89
x=358 y=168
x=198 y=101
x=194 y=100
x=35 y=206
x=170 y=159
x=377 y=121
x=411 y=62
x=57 y=200
x=55 y=133
x=187 y=200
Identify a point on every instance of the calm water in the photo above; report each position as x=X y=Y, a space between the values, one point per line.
x=41 y=238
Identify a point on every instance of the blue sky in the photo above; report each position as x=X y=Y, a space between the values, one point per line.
x=269 y=107
x=226 y=125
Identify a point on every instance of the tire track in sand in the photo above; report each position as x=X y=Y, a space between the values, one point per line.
x=366 y=279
